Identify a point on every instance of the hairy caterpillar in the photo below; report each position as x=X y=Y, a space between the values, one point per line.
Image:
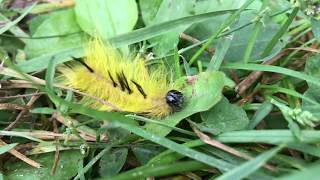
x=128 y=84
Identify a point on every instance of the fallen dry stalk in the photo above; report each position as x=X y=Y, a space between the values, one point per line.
x=21 y=156
x=205 y=138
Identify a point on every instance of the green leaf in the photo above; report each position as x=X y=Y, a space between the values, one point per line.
x=112 y=162
x=7 y=147
x=275 y=39
x=149 y=9
x=66 y=168
x=315 y=24
x=241 y=37
x=250 y=166
x=220 y=120
x=203 y=92
x=106 y=18
x=145 y=152
x=57 y=23
x=43 y=110
x=312 y=69
x=167 y=11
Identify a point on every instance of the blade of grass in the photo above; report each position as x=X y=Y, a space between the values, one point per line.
x=41 y=62
x=222 y=47
x=275 y=69
x=260 y=114
x=14 y=22
x=93 y=161
x=310 y=172
x=280 y=33
x=255 y=32
x=81 y=170
x=144 y=119
x=268 y=136
x=277 y=89
x=20 y=134
x=15 y=30
x=50 y=73
x=231 y=19
x=251 y=166
x=306 y=148
x=7 y=147
x=162 y=170
x=177 y=66
x=209 y=160
x=124 y=122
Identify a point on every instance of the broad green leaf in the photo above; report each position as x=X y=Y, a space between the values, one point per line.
x=202 y=92
x=145 y=152
x=312 y=69
x=220 y=120
x=66 y=168
x=35 y=22
x=149 y=10
x=58 y=23
x=106 y=18
x=167 y=11
x=241 y=37
x=315 y=24
x=112 y=162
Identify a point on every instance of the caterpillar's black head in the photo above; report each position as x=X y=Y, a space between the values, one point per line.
x=175 y=100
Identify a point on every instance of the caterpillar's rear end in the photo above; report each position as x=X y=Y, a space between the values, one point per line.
x=127 y=84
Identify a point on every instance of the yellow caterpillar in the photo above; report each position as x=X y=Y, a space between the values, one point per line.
x=127 y=84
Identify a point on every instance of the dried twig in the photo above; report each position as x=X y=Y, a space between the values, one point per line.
x=22 y=157
x=253 y=76
x=46 y=135
x=205 y=138
x=22 y=113
x=195 y=41
x=12 y=73
x=9 y=106
x=84 y=134
x=22 y=95
x=57 y=153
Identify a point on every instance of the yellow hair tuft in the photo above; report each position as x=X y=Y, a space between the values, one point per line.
x=127 y=84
